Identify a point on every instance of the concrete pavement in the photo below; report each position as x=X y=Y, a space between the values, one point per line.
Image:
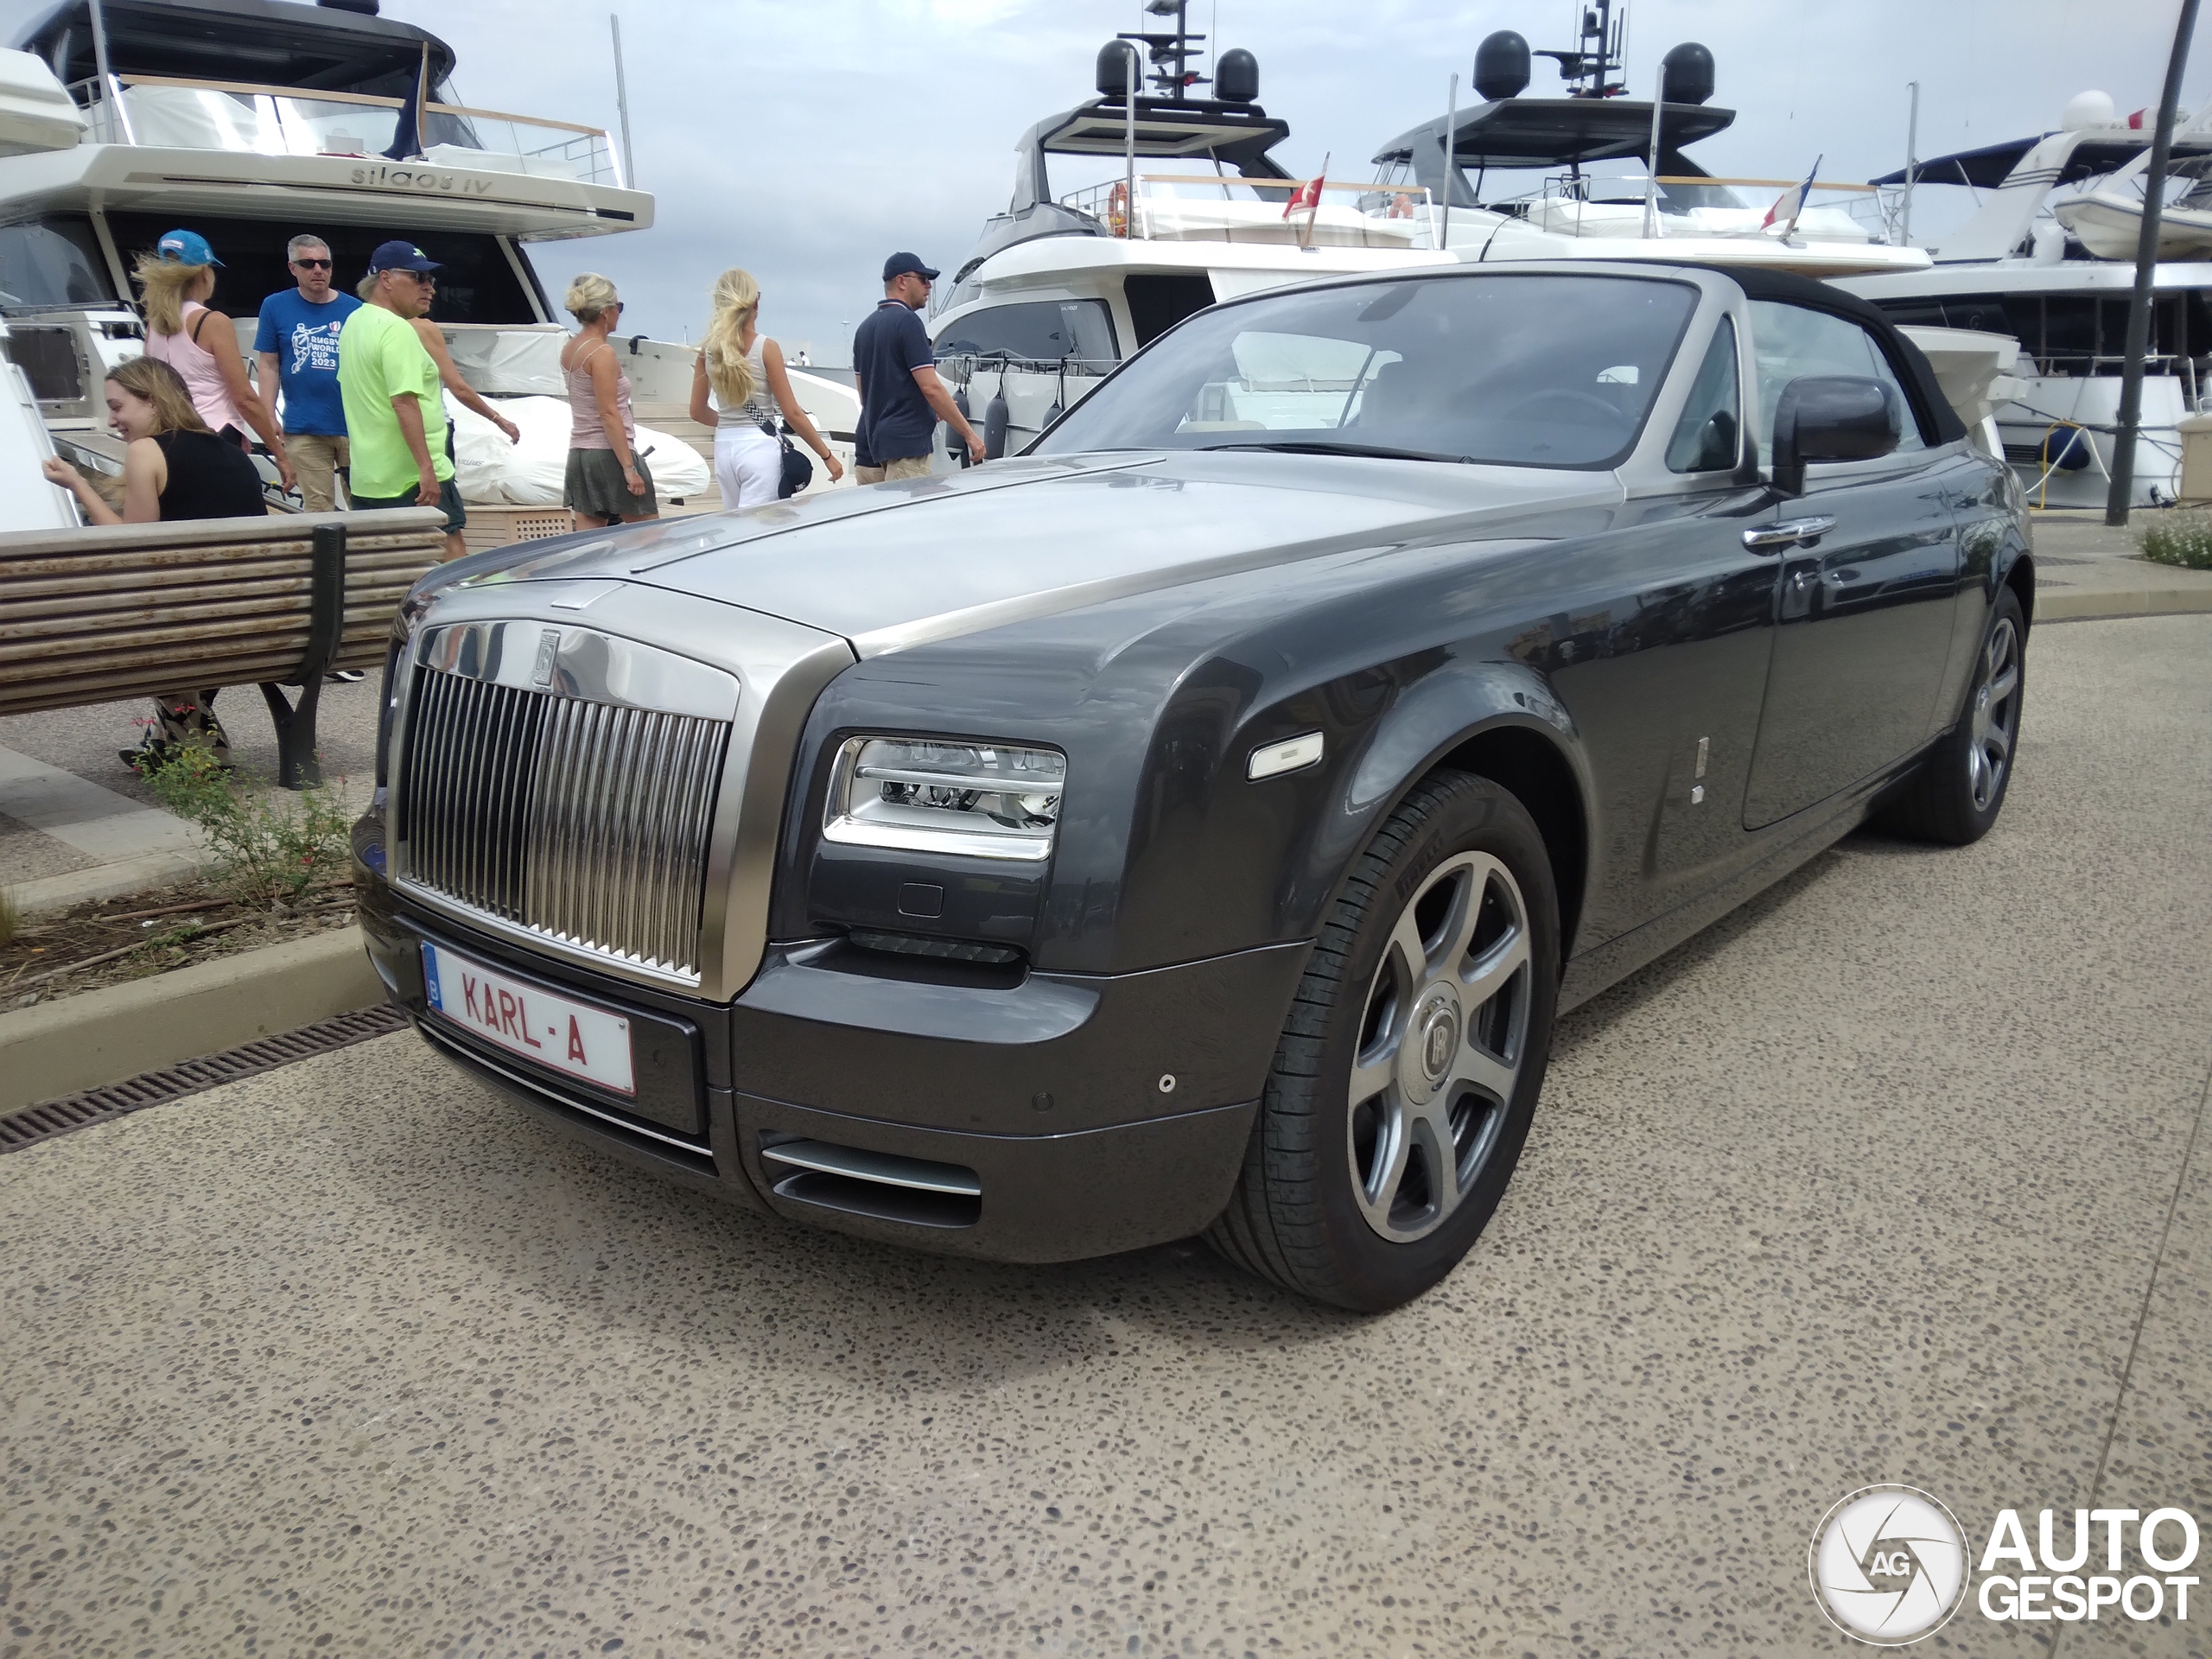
x=1884 y=1178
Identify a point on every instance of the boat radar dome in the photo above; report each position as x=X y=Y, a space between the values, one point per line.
x=1502 y=66
x=1237 y=77
x=2086 y=109
x=1113 y=77
x=1689 y=74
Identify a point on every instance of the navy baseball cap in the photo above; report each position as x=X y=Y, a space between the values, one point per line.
x=899 y=264
x=187 y=248
x=401 y=256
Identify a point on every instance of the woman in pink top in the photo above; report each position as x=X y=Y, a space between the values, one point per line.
x=174 y=282
x=607 y=482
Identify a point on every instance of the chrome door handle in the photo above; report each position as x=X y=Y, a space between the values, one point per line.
x=1790 y=532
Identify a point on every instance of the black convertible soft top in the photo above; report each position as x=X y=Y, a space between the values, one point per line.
x=1939 y=422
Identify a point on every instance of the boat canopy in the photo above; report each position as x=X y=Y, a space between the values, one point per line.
x=1990 y=166
x=1230 y=135
x=268 y=42
x=1533 y=132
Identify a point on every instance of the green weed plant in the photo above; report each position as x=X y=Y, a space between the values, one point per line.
x=2182 y=539
x=269 y=845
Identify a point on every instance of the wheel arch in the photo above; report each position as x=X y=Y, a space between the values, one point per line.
x=1535 y=770
x=2020 y=576
x=1500 y=721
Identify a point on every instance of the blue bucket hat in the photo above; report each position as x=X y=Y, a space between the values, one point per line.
x=185 y=248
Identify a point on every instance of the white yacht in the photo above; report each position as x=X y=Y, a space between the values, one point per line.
x=2048 y=256
x=253 y=120
x=1062 y=286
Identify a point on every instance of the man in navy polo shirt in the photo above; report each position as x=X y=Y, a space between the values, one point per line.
x=894 y=369
x=297 y=344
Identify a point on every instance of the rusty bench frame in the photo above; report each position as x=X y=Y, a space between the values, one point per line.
x=114 y=611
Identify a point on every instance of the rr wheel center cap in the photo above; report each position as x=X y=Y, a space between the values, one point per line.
x=1431 y=1045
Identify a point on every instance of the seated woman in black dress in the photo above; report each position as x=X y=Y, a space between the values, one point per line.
x=174 y=467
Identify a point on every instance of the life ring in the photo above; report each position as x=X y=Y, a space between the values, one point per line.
x=1117 y=209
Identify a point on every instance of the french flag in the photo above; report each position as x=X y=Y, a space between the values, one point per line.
x=1791 y=203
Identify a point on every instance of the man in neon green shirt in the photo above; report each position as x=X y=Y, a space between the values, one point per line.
x=395 y=410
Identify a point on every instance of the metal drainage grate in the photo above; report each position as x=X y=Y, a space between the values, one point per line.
x=52 y=1117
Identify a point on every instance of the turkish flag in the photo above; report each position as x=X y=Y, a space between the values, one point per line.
x=1307 y=194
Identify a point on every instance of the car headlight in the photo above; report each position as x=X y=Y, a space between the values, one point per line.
x=985 y=800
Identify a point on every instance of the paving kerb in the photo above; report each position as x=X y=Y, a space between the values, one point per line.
x=101 y=1037
x=52 y=892
x=2088 y=570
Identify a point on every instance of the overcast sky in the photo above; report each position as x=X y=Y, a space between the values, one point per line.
x=805 y=139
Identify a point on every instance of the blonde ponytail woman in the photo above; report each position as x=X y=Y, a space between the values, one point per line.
x=607 y=482
x=175 y=283
x=744 y=370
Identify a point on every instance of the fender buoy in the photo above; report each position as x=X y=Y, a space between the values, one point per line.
x=996 y=417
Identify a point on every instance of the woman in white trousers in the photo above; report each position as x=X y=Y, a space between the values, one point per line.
x=744 y=370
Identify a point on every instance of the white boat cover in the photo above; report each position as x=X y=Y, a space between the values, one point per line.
x=532 y=473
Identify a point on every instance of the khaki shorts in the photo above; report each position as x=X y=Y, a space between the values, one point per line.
x=904 y=467
x=316 y=460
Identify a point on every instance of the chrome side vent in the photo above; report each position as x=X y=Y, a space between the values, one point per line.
x=879 y=1184
x=583 y=822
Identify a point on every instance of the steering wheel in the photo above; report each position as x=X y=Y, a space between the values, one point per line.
x=1587 y=400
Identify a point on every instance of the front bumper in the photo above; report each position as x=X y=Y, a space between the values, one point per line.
x=1041 y=1118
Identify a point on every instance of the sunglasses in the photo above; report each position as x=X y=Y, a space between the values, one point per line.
x=311 y=265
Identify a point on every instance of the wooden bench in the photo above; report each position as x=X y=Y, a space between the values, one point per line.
x=114 y=611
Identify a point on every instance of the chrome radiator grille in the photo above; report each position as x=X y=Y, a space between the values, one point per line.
x=584 y=822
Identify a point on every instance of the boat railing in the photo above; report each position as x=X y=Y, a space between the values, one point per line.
x=1575 y=203
x=1223 y=208
x=168 y=112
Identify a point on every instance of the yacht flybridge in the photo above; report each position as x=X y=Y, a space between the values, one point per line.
x=2049 y=257
x=1187 y=204
x=1552 y=177
x=252 y=121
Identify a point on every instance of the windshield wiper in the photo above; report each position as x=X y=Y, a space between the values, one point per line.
x=1315 y=446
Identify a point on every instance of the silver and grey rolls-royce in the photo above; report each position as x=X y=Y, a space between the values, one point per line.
x=1196 y=825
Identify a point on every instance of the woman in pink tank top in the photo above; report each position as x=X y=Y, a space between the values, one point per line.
x=607 y=482
x=174 y=282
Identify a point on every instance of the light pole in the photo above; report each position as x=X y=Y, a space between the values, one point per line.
x=2146 y=270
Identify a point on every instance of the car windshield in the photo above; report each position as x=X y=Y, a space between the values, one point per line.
x=1516 y=369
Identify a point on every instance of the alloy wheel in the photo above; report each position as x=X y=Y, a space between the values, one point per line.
x=1442 y=1038
x=1995 y=717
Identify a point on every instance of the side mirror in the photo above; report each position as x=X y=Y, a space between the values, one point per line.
x=1831 y=417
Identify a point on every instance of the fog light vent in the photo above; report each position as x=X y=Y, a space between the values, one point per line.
x=914 y=1191
x=921 y=944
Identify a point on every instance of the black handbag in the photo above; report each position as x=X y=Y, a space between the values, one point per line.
x=798 y=470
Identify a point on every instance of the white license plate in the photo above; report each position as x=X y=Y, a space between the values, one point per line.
x=575 y=1038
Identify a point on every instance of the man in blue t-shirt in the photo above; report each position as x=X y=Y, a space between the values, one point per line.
x=894 y=370
x=297 y=344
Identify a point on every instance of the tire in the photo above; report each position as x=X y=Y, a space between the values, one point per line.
x=1346 y=1194
x=1960 y=789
